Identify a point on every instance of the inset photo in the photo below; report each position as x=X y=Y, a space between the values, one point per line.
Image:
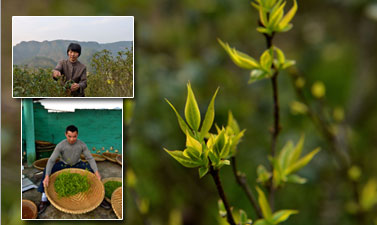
x=72 y=159
x=73 y=56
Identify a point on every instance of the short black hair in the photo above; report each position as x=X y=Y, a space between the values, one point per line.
x=71 y=128
x=74 y=47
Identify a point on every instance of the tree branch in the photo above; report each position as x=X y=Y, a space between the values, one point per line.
x=241 y=180
x=215 y=175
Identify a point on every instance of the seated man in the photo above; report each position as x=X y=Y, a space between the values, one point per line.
x=69 y=151
x=73 y=70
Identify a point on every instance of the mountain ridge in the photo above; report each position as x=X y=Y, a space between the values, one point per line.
x=56 y=50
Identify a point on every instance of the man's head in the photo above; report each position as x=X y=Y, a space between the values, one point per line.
x=73 y=52
x=71 y=133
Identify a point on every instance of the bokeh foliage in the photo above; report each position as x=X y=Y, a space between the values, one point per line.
x=333 y=42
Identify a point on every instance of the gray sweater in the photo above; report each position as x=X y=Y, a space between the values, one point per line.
x=73 y=71
x=70 y=154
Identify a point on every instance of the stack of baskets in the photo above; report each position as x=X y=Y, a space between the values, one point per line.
x=116 y=196
x=44 y=149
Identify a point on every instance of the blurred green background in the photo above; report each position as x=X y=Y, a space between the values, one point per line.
x=334 y=41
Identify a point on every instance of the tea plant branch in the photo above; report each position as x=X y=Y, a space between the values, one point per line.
x=276 y=124
x=241 y=180
x=321 y=125
x=324 y=130
x=276 y=128
x=215 y=175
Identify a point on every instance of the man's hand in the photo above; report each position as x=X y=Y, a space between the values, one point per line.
x=75 y=86
x=98 y=175
x=46 y=180
x=56 y=74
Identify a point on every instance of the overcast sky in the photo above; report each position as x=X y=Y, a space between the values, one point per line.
x=70 y=105
x=102 y=29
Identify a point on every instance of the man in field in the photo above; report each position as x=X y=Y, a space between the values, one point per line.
x=69 y=150
x=74 y=72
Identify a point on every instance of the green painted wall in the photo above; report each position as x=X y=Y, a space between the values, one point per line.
x=97 y=128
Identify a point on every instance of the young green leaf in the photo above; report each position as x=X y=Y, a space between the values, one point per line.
x=209 y=117
x=257 y=74
x=192 y=112
x=263 y=16
x=280 y=56
x=243 y=218
x=285 y=155
x=222 y=210
x=302 y=162
x=283 y=25
x=193 y=143
x=296 y=153
x=234 y=142
x=211 y=141
x=214 y=158
x=276 y=15
x=282 y=215
x=279 y=175
x=239 y=58
x=232 y=123
x=262 y=222
x=288 y=63
x=263 y=174
x=263 y=30
x=203 y=171
x=263 y=203
x=193 y=154
x=182 y=124
x=182 y=159
x=266 y=60
x=293 y=178
x=219 y=143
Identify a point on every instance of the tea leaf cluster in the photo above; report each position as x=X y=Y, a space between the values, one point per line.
x=68 y=184
x=110 y=186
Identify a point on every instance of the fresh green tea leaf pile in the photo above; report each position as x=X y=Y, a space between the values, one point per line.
x=68 y=184
x=110 y=186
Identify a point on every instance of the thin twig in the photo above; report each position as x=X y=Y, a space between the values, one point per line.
x=275 y=131
x=276 y=127
x=241 y=180
x=215 y=175
x=330 y=138
x=321 y=125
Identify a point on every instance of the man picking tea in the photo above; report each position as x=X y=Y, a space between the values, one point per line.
x=69 y=151
x=74 y=71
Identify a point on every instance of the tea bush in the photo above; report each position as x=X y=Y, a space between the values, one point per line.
x=111 y=77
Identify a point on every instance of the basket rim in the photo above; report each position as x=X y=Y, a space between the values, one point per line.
x=119 y=161
x=97 y=157
x=70 y=211
x=104 y=180
x=119 y=189
x=112 y=159
x=33 y=205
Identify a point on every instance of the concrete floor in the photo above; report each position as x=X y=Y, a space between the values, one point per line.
x=106 y=169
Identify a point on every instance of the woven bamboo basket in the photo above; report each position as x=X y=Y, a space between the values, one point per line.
x=110 y=179
x=29 y=209
x=97 y=157
x=116 y=202
x=119 y=159
x=110 y=156
x=81 y=202
x=43 y=143
x=41 y=163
